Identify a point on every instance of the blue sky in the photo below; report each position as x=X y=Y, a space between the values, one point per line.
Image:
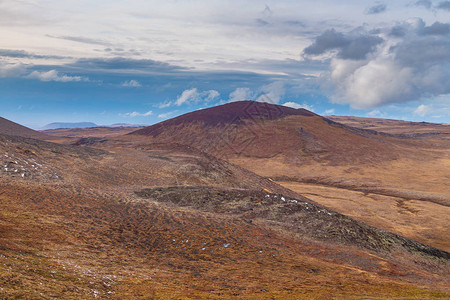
x=142 y=62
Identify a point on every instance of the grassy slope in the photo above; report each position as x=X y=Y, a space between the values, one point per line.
x=86 y=233
x=65 y=245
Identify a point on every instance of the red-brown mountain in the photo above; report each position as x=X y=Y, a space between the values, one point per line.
x=231 y=113
x=255 y=129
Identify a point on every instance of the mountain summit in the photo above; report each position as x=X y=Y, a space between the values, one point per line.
x=255 y=129
x=230 y=113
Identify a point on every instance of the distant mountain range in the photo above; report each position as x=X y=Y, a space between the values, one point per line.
x=59 y=125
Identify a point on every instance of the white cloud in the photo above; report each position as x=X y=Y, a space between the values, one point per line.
x=329 y=111
x=11 y=69
x=377 y=82
x=131 y=83
x=272 y=92
x=186 y=96
x=211 y=95
x=194 y=96
x=165 y=104
x=376 y=113
x=409 y=61
x=240 y=94
x=167 y=114
x=376 y=9
x=423 y=110
x=136 y=114
x=54 y=75
x=297 y=106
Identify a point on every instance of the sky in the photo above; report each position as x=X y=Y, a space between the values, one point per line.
x=144 y=61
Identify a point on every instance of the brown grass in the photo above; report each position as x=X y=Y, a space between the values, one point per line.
x=406 y=128
x=63 y=245
x=423 y=221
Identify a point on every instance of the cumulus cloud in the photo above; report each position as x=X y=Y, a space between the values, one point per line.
x=297 y=106
x=329 y=111
x=241 y=94
x=424 y=3
x=445 y=5
x=376 y=113
x=54 y=75
x=136 y=114
x=11 y=69
x=437 y=28
x=194 y=96
x=167 y=114
x=165 y=104
x=403 y=67
x=186 y=96
x=271 y=92
x=376 y=9
x=292 y=105
x=131 y=83
x=211 y=95
x=350 y=46
x=422 y=110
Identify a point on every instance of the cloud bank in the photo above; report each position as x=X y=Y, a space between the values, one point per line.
x=406 y=62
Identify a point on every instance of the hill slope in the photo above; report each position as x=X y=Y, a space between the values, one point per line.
x=10 y=128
